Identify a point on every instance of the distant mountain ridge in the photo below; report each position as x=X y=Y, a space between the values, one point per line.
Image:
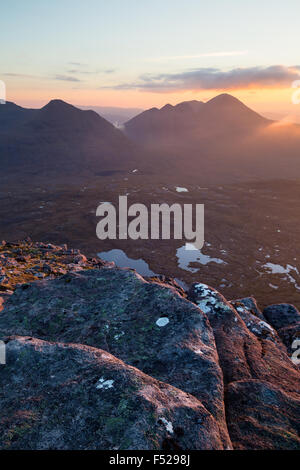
x=222 y=140
x=192 y=119
x=61 y=136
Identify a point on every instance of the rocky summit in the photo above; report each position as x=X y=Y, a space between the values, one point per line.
x=99 y=357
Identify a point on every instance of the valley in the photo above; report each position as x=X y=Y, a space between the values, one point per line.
x=251 y=229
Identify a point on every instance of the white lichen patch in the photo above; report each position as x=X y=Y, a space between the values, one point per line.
x=266 y=325
x=210 y=301
x=204 y=306
x=198 y=351
x=163 y=321
x=203 y=289
x=241 y=309
x=168 y=424
x=118 y=336
x=104 y=384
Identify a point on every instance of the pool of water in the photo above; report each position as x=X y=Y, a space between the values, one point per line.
x=186 y=257
x=123 y=261
x=289 y=271
x=181 y=190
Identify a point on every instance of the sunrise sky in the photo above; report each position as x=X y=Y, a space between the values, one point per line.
x=137 y=53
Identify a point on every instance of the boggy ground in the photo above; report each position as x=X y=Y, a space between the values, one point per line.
x=253 y=227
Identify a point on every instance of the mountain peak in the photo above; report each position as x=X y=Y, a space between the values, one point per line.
x=167 y=107
x=192 y=105
x=233 y=110
x=225 y=99
x=10 y=105
x=58 y=104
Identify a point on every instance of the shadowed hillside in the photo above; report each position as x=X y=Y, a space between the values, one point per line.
x=60 y=137
x=219 y=141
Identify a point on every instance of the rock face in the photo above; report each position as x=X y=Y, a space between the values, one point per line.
x=282 y=315
x=147 y=325
x=120 y=362
x=262 y=385
x=78 y=397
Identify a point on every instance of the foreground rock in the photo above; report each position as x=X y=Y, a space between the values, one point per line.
x=262 y=385
x=153 y=367
x=286 y=319
x=147 y=325
x=78 y=397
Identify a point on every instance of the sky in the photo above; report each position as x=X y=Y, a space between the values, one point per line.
x=137 y=53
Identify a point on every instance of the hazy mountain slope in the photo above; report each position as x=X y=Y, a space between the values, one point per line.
x=62 y=137
x=222 y=139
x=172 y=125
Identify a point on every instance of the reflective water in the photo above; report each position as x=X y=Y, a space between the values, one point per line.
x=185 y=257
x=122 y=261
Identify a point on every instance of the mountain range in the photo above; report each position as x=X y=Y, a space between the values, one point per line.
x=172 y=125
x=221 y=140
x=60 y=137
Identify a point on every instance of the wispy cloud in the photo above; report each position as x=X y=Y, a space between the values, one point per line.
x=66 y=78
x=90 y=72
x=197 y=56
x=109 y=71
x=78 y=64
x=215 y=79
x=17 y=75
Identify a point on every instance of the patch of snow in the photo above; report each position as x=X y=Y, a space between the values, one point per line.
x=181 y=190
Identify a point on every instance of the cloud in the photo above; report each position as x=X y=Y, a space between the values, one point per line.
x=275 y=76
x=90 y=72
x=66 y=78
x=81 y=72
x=17 y=75
x=78 y=64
